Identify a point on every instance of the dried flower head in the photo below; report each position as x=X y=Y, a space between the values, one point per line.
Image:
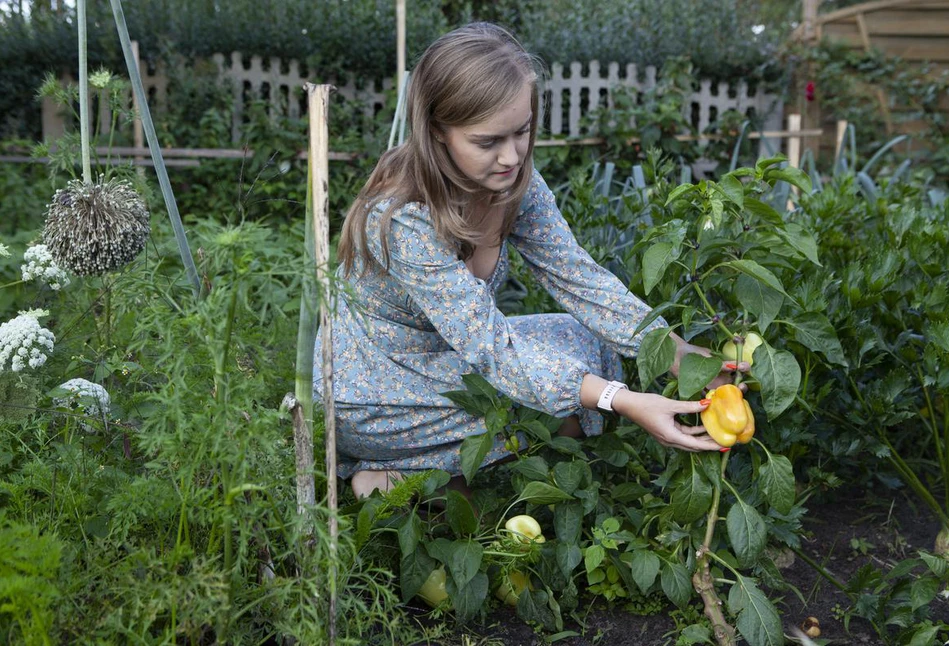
x=95 y=228
x=87 y=397
x=39 y=265
x=24 y=343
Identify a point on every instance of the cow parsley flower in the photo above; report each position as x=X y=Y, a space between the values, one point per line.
x=40 y=265
x=87 y=397
x=24 y=343
x=4 y=250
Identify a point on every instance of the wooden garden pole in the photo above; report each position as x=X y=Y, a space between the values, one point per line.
x=318 y=110
x=400 y=43
x=138 y=135
x=794 y=149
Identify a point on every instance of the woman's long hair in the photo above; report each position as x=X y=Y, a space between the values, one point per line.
x=463 y=78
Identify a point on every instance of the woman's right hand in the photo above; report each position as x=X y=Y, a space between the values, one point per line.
x=657 y=416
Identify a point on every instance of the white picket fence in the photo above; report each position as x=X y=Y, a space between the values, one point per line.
x=568 y=96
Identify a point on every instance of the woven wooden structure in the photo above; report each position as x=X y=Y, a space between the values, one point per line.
x=916 y=31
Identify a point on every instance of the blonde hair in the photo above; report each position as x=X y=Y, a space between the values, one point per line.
x=461 y=79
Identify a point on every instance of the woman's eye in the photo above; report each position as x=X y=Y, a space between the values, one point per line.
x=486 y=145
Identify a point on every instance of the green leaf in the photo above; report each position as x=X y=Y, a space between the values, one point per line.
x=413 y=572
x=655 y=261
x=922 y=591
x=593 y=556
x=759 y=273
x=780 y=377
x=464 y=560
x=541 y=493
x=692 y=497
x=814 y=331
x=936 y=564
x=733 y=189
x=473 y=451
x=657 y=352
x=472 y=404
x=532 y=468
x=759 y=299
x=676 y=583
x=461 y=515
x=469 y=598
x=925 y=635
x=695 y=372
x=801 y=239
x=645 y=569
x=678 y=192
x=570 y=475
x=792 y=176
x=758 y=620
x=568 y=558
x=568 y=521
x=776 y=477
x=410 y=533
x=746 y=531
x=478 y=385
x=762 y=165
x=764 y=211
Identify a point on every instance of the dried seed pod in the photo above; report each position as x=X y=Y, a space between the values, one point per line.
x=95 y=228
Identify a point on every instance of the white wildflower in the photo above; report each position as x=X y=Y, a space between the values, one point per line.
x=24 y=343
x=4 y=251
x=39 y=265
x=87 y=397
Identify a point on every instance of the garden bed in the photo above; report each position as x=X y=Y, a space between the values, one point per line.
x=844 y=532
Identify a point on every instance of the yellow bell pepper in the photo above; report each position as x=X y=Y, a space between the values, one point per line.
x=512 y=586
x=728 y=417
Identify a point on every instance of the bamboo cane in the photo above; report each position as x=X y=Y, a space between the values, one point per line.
x=318 y=109
x=83 y=94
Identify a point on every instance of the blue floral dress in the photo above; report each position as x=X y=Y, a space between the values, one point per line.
x=406 y=336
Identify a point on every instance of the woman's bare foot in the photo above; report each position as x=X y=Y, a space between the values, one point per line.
x=365 y=482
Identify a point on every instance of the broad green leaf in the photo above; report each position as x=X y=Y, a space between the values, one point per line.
x=532 y=606
x=410 y=533
x=759 y=299
x=568 y=558
x=464 y=560
x=814 y=331
x=479 y=385
x=593 y=556
x=746 y=531
x=792 y=176
x=695 y=372
x=535 y=428
x=677 y=192
x=780 y=377
x=541 y=493
x=568 y=476
x=645 y=569
x=925 y=635
x=469 y=598
x=473 y=451
x=676 y=583
x=471 y=403
x=776 y=477
x=413 y=572
x=532 y=468
x=758 y=620
x=496 y=419
x=936 y=564
x=759 y=273
x=733 y=189
x=763 y=165
x=801 y=239
x=764 y=211
x=692 y=496
x=461 y=515
x=923 y=590
x=568 y=521
x=656 y=354
x=655 y=261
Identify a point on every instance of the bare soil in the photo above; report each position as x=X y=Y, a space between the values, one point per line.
x=842 y=532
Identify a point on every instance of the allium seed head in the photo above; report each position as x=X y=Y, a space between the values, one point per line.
x=95 y=228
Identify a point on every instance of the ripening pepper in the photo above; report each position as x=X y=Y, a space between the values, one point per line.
x=728 y=417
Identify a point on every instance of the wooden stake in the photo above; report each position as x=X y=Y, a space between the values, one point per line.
x=318 y=110
x=839 y=141
x=138 y=135
x=794 y=150
x=400 y=43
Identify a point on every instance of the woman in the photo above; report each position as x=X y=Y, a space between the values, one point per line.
x=425 y=248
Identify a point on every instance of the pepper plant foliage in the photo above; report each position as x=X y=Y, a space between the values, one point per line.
x=624 y=518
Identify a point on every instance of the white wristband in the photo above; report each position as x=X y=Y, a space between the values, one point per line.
x=606 y=397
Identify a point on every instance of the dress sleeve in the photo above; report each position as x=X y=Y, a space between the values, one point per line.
x=462 y=308
x=592 y=294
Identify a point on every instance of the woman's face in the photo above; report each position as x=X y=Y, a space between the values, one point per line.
x=492 y=152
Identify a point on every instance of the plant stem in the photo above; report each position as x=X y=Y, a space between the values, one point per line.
x=702 y=578
x=711 y=310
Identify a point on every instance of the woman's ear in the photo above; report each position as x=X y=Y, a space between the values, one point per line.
x=437 y=134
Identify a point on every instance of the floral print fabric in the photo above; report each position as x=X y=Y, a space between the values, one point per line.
x=403 y=337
